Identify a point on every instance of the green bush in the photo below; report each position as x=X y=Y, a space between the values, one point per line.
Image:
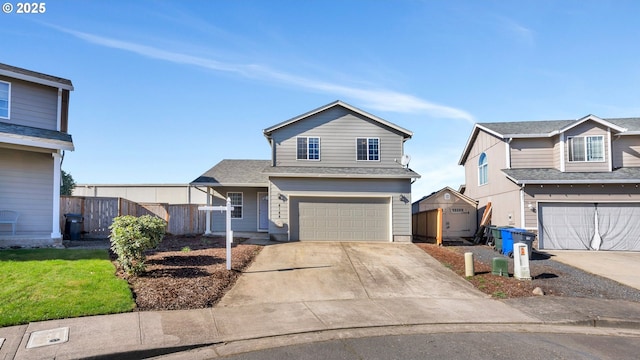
x=131 y=236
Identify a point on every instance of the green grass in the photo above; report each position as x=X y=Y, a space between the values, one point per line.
x=46 y=284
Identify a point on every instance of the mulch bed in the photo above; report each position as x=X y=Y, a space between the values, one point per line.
x=188 y=272
x=494 y=285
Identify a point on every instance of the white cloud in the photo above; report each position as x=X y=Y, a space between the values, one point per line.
x=379 y=99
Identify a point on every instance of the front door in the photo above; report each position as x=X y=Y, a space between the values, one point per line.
x=263 y=211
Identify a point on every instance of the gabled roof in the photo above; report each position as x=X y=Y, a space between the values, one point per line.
x=553 y=176
x=35 y=77
x=454 y=192
x=548 y=128
x=36 y=137
x=247 y=173
x=405 y=133
x=341 y=172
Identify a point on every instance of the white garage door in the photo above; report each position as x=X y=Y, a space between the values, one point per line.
x=340 y=219
x=581 y=226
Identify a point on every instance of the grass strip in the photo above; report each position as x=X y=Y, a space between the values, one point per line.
x=47 y=284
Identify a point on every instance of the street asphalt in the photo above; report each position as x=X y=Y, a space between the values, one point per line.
x=303 y=292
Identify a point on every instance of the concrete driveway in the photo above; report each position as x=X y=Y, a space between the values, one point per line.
x=318 y=271
x=621 y=266
x=303 y=286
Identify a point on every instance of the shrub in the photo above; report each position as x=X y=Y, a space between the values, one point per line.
x=131 y=236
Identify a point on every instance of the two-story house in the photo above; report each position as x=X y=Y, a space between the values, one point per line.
x=334 y=174
x=575 y=182
x=34 y=110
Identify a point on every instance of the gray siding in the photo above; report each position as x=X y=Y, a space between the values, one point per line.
x=626 y=151
x=249 y=221
x=532 y=153
x=587 y=128
x=337 y=129
x=32 y=104
x=26 y=186
x=394 y=188
x=556 y=152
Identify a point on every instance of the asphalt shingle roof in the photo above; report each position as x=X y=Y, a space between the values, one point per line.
x=235 y=173
x=33 y=132
x=257 y=172
x=554 y=176
x=548 y=126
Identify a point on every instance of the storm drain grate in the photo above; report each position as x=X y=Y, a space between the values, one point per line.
x=48 y=337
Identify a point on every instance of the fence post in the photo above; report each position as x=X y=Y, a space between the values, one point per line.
x=439 y=227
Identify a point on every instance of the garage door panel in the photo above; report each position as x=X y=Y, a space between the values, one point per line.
x=572 y=226
x=340 y=219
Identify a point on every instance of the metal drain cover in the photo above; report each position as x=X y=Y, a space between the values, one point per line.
x=48 y=337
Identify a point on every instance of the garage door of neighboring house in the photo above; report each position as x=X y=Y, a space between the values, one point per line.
x=597 y=226
x=340 y=219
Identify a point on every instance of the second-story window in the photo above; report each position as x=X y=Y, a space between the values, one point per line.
x=5 y=98
x=587 y=148
x=308 y=148
x=368 y=149
x=483 y=170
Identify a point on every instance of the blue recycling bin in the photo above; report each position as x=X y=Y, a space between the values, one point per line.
x=507 y=240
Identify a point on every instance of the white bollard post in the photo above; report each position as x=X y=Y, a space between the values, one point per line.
x=468 y=265
x=229 y=234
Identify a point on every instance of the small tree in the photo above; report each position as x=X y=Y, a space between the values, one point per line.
x=131 y=236
x=67 y=184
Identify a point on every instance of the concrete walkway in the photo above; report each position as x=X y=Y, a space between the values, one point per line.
x=621 y=266
x=306 y=289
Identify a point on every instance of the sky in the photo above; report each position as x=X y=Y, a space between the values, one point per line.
x=164 y=90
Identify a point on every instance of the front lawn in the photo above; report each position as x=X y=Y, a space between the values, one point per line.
x=46 y=284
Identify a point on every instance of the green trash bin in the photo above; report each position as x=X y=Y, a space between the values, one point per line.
x=497 y=235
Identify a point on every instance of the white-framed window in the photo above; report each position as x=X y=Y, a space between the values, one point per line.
x=586 y=148
x=5 y=99
x=236 y=202
x=368 y=149
x=308 y=148
x=483 y=170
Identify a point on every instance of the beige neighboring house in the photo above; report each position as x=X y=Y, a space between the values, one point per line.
x=34 y=117
x=458 y=212
x=145 y=193
x=574 y=182
x=334 y=175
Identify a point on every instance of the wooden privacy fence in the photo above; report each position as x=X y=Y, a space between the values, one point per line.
x=428 y=225
x=98 y=214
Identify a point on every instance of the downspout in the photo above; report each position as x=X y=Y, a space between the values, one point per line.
x=562 y=152
x=522 y=219
x=610 y=149
x=507 y=152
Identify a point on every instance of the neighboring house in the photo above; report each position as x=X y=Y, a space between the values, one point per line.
x=145 y=193
x=458 y=212
x=34 y=110
x=575 y=182
x=334 y=175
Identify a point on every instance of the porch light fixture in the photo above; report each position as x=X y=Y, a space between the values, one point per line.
x=282 y=197
x=404 y=199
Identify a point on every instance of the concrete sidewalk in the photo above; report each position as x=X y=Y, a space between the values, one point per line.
x=308 y=289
